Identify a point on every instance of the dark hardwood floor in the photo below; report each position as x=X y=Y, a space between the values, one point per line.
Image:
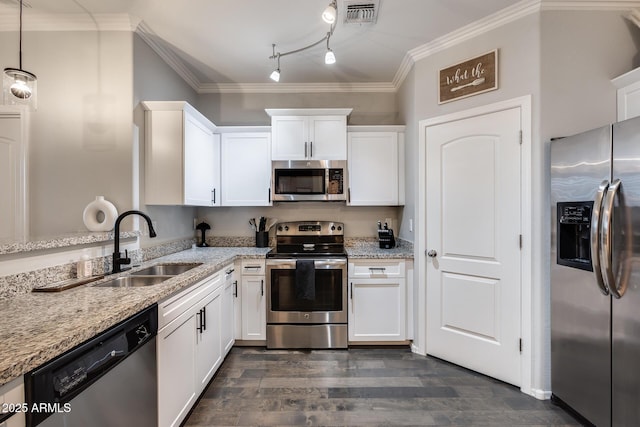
x=361 y=387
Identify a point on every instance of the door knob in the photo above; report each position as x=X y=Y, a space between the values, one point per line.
x=432 y=253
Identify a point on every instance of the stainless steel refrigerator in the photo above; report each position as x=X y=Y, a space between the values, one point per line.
x=595 y=273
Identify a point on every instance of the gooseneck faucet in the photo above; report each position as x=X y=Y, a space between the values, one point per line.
x=118 y=261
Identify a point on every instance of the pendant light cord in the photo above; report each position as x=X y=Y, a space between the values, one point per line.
x=20 y=39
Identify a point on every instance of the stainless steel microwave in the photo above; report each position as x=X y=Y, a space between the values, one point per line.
x=309 y=180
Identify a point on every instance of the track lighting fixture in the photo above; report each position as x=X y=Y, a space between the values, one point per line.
x=19 y=86
x=275 y=75
x=329 y=15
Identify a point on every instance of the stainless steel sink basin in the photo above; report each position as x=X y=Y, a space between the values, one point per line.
x=134 y=281
x=165 y=269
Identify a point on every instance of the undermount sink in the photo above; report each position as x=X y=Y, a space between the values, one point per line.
x=134 y=281
x=165 y=269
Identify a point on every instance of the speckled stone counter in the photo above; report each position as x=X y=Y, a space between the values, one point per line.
x=36 y=327
x=61 y=241
x=369 y=248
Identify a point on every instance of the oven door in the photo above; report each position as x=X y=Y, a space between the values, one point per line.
x=328 y=304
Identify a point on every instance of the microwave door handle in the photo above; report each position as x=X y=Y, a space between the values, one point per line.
x=596 y=217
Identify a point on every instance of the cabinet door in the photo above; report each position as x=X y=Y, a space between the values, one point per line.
x=373 y=168
x=176 y=369
x=377 y=310
x=209 y=347
x=246 y=169
x=228 y=310
x=290 y=135
x=201 y=163
x=328 y=138
x=254 y=315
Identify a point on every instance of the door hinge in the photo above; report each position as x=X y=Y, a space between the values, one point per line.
x=520 y=344
x=520 y=137
x=520 y=241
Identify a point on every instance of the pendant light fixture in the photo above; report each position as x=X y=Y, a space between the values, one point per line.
x=329 y=57
x=329 y=15
x=19 y=86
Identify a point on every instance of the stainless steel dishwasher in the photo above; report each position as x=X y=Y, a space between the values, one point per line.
x=109 y=380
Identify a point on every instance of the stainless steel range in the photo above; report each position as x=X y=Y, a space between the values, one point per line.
x=307 y=286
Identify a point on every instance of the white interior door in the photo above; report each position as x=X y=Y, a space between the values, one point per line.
x=12 y=178
x=473 y=221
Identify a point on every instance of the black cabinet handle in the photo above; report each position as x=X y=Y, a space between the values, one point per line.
x=261 y=287
x=199 y=328
x=204 y=318
x=235 y=291
x=351 y=292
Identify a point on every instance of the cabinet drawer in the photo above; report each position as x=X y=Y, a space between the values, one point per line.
x=376 y=268
x=253 y=267
x=175 y=305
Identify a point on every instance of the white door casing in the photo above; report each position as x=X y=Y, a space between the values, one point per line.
x=455 y=281
x=473 y=229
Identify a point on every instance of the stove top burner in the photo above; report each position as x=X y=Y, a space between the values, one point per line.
x=304 y=239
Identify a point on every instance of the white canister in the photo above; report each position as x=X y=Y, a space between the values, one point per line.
x=84 y=267
x=100 y=215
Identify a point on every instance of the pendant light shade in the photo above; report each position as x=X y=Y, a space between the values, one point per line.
x=329 y=57
x=19 y=87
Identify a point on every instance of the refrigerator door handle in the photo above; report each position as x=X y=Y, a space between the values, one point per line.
x=595 y=236
x=606 y=248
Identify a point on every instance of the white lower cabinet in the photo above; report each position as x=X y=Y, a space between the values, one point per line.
x=377 y=301
x=12 y=394
x=189 y=346
x=254 y=300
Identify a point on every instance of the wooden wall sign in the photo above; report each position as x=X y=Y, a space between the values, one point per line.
x=471 y=77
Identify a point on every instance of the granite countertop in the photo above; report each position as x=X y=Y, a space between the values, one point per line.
x=369 y=248
x=36 y=327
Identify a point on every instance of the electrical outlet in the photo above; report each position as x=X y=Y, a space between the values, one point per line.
x=195 y=223
x=411 y=225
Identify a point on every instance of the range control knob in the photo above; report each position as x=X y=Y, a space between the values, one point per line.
x=333 y=227
x=286 y=228
x=279 y=228
x=339 y=228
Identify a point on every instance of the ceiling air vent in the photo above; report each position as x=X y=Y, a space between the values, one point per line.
x=360 y=12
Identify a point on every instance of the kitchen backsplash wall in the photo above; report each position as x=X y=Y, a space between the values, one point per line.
x=359 y=221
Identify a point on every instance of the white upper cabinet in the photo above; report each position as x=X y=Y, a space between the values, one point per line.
x=628 y=94
x=246 y=168
x=182 y=156
x=376 y=165
x=306 y=134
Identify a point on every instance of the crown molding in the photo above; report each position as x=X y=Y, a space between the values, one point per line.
x=498 y=19
x=295 y=87
x=125 y=22
x=167 y=55
x=70 y=22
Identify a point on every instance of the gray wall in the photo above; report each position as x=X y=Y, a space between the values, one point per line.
x=235 y=109
x=154 y=80
x=80 y=141
x=565 y=60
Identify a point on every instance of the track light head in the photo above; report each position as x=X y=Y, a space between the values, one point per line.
x=330 y=13
x=275 y=75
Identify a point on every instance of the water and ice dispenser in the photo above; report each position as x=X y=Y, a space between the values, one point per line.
x=574 y=234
